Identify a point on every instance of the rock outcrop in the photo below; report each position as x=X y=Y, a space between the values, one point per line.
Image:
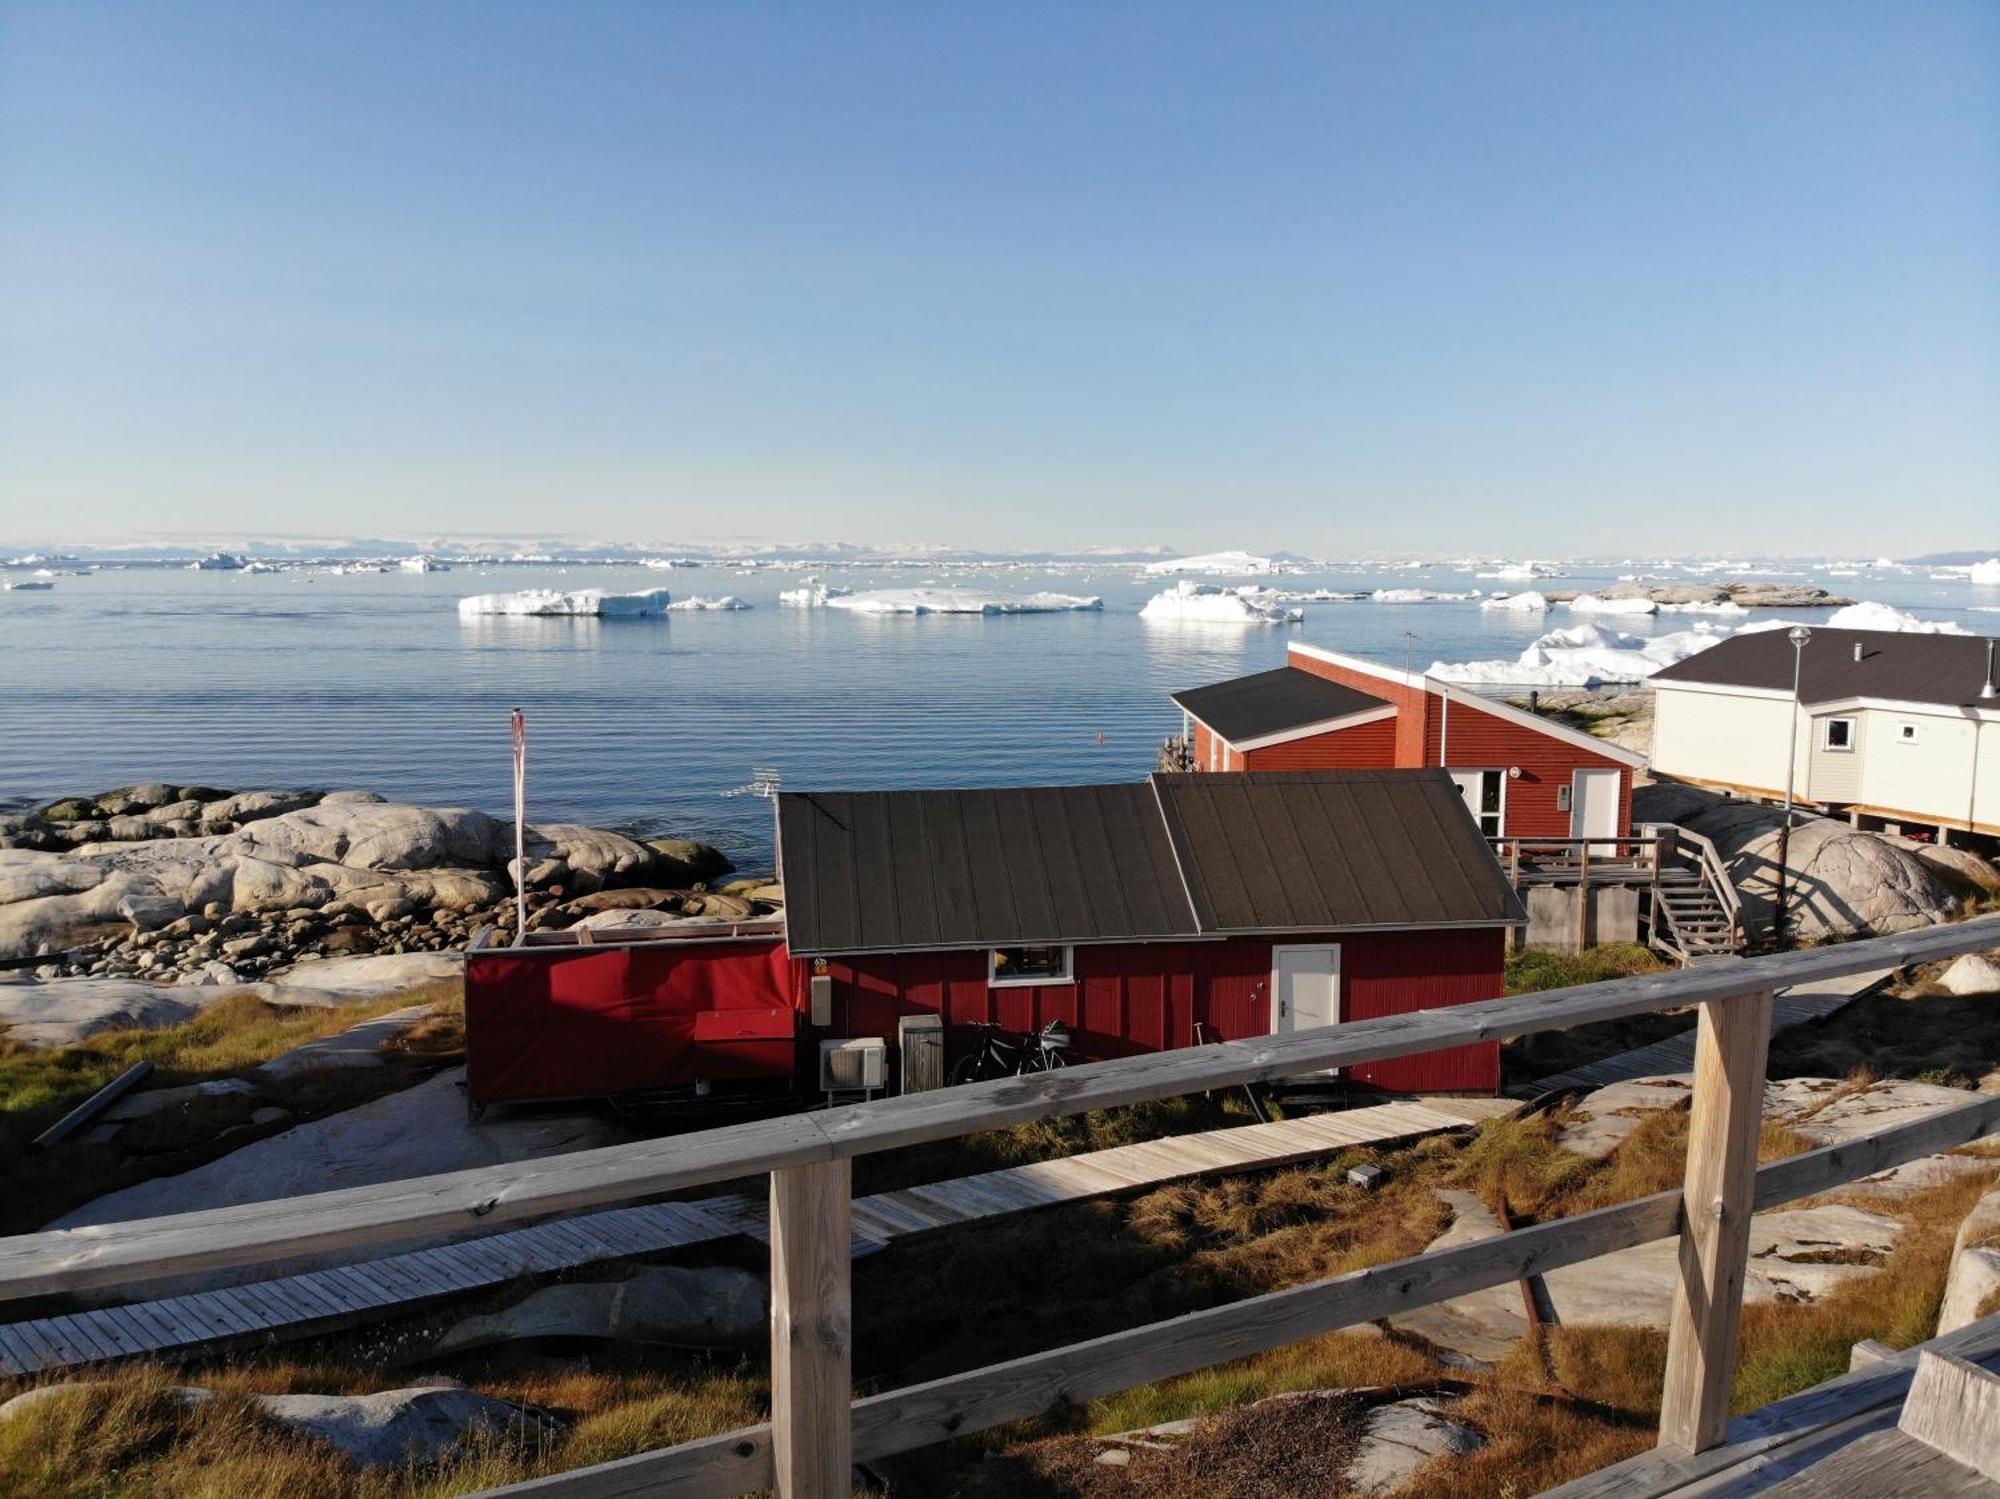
x=1972 y=1288
x=1842 y=881
x=192 y=884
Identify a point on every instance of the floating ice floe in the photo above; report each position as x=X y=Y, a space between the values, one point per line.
x=959 y=601
x=727 y=601
x=1724 y=609
x=1593 y=603
x=1208 y=603
x=814 y=595
x=1227 y=564
x=1520 y=572
x=1987 y=572
x=1419 y=596
x=1583 y=656
x=424 y=565
x=1526 y=603
x=581 y=602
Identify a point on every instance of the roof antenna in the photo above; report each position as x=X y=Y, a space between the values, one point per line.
x=1989 y=690
x=1409 y=645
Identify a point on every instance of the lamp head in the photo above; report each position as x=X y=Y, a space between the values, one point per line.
x=1799 y=635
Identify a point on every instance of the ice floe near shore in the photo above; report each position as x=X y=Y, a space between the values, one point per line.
x=1592 y=603
x=592 y=603
x=815 y=595
x=1529 y=602
x=1209 y=603
x=1878 y=616
x=955 y=601
x=1224 y=564
x=1521 y=572
x=1583 y=656
x=727 y=601
x=1987 y=572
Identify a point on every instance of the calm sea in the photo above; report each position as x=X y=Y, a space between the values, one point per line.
x=372 y=680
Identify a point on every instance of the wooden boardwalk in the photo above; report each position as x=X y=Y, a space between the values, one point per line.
x=1676 y=1053
x=319 y=1300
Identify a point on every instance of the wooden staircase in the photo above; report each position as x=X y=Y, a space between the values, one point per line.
x=1695 y=912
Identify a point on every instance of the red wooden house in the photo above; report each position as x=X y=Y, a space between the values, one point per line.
x=1522 y=775
x=1168 y=913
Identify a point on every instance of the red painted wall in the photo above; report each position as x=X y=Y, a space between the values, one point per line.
x=1135 y=998
x=1366 y=746
x=1427 y=727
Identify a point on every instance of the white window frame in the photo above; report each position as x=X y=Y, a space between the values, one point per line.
x=1500 y=830
x=1907 y=732
x=1067 y=976
x=1826 y=734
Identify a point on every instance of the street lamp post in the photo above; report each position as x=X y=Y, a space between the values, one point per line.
x=1798 y=636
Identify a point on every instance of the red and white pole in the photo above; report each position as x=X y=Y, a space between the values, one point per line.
x=520 y=827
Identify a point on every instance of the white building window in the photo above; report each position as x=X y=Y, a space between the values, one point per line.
x=1840 y=734
x=1906 y=733
x=1485 y=796
x=1007 y=966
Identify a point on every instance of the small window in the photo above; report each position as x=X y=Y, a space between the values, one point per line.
x=1840 y=733
x=1906 y=733
x=1483 y=792
x=1029 y=965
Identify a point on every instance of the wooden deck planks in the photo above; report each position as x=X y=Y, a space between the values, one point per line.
x=313 y=1298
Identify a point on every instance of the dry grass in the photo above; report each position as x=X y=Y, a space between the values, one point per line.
x=1916 y=1033
x=228 y=1039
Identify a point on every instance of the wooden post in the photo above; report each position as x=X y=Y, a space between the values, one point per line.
x=1731 y=1044
x=1582 y=896
x=1514 y=879
x=812 y=1376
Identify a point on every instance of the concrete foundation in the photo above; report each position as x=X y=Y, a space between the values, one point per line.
x=1613 y=916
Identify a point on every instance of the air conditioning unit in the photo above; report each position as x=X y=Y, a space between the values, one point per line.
x=860 y=1065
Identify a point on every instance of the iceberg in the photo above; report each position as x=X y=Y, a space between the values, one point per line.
x=1419 y=596
x=727 y=601
x=424 y=565
x=1877 y=616
x=1725 y=608
x=1209 y=603
x=1521 y=572
x=959 y=601
x=1987 y=572
x=1230 y=564
x=814 y=595
x=1529 y=602
x=593 y=603
x=1592 y=603
x=1582 y=656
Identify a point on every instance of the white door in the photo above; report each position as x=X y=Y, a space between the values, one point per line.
x=1305 y=988
x=1593 y=808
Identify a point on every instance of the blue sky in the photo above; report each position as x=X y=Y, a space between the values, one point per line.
x=1539 y=278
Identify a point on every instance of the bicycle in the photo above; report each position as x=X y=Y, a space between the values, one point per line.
x=1000 y=1054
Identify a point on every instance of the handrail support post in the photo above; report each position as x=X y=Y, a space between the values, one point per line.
x=812 y=1330
x=1732 y=1043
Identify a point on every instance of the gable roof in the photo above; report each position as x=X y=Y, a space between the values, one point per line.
x=1275 y=702
x=1315 y=850
x=1174 y=858
x=1837 y=665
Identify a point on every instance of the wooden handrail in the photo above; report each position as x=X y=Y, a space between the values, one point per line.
x=115 y=1254
x=807 y=1452
x=978 y=1399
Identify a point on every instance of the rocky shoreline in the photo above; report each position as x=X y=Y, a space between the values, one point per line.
x=1743 y=595
x=200 y=886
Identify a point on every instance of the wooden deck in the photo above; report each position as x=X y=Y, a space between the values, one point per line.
x=1839 y=1438
x=297 y=1305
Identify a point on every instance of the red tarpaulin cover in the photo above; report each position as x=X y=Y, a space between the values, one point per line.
x=579 y=1021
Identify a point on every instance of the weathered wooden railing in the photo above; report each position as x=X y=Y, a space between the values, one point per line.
x=817 y=1430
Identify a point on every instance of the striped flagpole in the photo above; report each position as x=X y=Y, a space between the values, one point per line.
x=520 y=827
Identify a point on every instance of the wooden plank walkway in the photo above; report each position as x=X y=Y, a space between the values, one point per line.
x=1676 y=1052
x=295 y=1305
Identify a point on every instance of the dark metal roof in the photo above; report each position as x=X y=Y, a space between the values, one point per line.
x=1316 y=850
x=892 y=871
x=1270 y=702
x=1911 y=668
x=1179 y=857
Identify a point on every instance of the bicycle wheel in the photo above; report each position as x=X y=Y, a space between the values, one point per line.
x=967 y=1069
